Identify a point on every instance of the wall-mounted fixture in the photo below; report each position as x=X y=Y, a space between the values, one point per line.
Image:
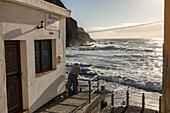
x=40 y=26
x=60 y=58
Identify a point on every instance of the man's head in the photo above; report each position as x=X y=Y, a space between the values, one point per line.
x=76 y=64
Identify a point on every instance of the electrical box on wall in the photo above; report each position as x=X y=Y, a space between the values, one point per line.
x=60 y=58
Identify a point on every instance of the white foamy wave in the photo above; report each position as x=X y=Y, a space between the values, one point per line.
x=145 y=85
x=131 y=62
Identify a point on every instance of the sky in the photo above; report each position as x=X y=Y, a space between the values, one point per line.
x=104 y=14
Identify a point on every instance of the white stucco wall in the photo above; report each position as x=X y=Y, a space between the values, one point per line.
x=19 y=22
x=3 y=98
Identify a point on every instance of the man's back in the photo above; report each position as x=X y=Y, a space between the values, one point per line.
x=75 y=70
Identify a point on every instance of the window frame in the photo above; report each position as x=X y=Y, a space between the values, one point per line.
x=43 y=71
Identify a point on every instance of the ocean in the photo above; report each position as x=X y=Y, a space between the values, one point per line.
x=133 y=64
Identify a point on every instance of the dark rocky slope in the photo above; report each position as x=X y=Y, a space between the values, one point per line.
x=74 y=34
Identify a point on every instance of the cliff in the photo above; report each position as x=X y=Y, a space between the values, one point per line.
x=74 y=35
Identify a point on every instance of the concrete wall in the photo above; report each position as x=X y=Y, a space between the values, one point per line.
x=93 y=107
x=19 y=22
x=166 y=61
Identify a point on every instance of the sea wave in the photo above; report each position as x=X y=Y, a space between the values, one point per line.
x=127 y=81
x=147 y=85
x=70 y=55
x=133 y=63
x=108 y=48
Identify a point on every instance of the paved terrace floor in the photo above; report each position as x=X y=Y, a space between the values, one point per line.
x=72 y=104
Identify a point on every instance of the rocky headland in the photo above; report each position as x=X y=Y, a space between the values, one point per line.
x=74 y=35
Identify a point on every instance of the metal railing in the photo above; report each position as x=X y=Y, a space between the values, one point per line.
x=131 y=96
x=93 y=83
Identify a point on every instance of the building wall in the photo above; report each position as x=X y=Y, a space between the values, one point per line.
x=3 y=102
x=166 y=61
x=19 y=22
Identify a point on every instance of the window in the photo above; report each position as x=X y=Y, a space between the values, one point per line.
x=43 y=55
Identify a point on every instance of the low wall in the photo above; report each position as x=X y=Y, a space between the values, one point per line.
x=93 y=107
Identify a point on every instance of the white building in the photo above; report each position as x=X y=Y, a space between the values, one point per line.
x=32 y=53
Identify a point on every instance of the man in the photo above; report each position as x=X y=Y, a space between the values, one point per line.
x=72 y=79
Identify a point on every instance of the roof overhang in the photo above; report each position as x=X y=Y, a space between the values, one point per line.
x=43 y=6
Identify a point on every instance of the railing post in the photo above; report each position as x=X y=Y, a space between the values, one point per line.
x=127 y=98
x=102 y=93
x=89 y=91
x=143 y=102
x=160 y=104
x=80 y=89
x=112 y=99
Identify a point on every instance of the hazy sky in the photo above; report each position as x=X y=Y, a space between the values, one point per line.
x=101 y=14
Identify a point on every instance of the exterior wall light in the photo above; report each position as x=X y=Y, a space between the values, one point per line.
x=40 y=26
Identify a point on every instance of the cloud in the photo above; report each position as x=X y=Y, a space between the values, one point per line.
x=148 y=31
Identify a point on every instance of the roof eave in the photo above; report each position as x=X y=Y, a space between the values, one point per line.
x=44 y=6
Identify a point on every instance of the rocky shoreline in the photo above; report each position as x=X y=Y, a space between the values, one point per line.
x=75 y=35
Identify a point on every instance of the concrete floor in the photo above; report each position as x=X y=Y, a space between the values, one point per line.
x=71 y=104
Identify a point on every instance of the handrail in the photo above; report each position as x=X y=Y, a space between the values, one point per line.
x=88 y=74
x=93 y=91
x=93 y=85
x=90 y=85
x=84 y=79
x=84 y=85
x=133 y=95
x=94 y=78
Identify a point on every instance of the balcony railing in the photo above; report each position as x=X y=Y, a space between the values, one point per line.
x=93 y=83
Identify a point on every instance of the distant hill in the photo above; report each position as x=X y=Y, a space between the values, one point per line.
x=74 y=35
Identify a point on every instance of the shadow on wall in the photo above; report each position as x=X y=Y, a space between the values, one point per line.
x=18 y=14
x=52 y=89
x=16 y=33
